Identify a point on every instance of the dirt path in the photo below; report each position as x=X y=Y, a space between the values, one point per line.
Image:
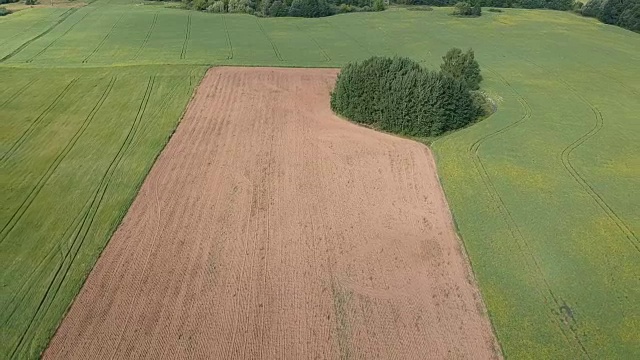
x=270 y=229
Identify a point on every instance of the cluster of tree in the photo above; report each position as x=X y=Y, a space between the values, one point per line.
x=275 y=8
x=3 y=10
x=466 y=9
x=398 y=95
x=526 y=4
x=623 y=13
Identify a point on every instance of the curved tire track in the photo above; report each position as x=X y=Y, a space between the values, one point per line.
x=565 y=156
x=575 y=174
x=514 y=229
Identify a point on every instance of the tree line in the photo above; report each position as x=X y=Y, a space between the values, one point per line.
x=398 y=95
x=526 y=4
x=276 y=8
x=4 y=11
x=623 y=13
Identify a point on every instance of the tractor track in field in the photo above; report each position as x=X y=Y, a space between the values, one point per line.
x=61 y=36
x=226 y=30
x=19 y=295
x=324 y=53
x=87 y=216
x=273 y=45
x=187 y=36
x=147 y=36
x=25 y=135
x=35 y=23
x=15 y=218
x=104 y=39
x=514 y=229
x=157 y=111
x=565 y=157
x=16 y=94
x=63 y=17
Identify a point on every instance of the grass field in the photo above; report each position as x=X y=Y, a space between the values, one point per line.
x=542 y=191
x=75 y=148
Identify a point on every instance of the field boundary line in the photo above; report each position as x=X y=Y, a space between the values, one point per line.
x=18 y=93
x=25 y=135
x=273 y=45
x=113 y=27
x=15 y=218
x=226 y=30
x=61 y=36
x=514 y=229
x=154 y=239
x=81 y=231
x=64 y=17
x=324 y=53
x=147 y=36
x=187 y=36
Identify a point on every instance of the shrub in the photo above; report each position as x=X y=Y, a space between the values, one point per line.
x=278 y=8
x=310 y=8
x=378 y=5
x=398 y=95
x=344 y=8
x=4 y=11
x=577 y=6
x=217 y=7
x=200 y=5
x=495 y=10
x=623 y=13
x=476 y=10
x=462 y=9
x=463 y=67
x=239 y=6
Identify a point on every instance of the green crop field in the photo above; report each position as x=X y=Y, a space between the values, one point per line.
x=542 y=191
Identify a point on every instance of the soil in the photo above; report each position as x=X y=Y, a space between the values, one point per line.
x=271 y=229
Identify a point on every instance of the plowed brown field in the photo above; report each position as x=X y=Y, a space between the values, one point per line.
x=271 y=229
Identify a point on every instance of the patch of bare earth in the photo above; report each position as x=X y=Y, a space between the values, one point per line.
x=271 y=229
